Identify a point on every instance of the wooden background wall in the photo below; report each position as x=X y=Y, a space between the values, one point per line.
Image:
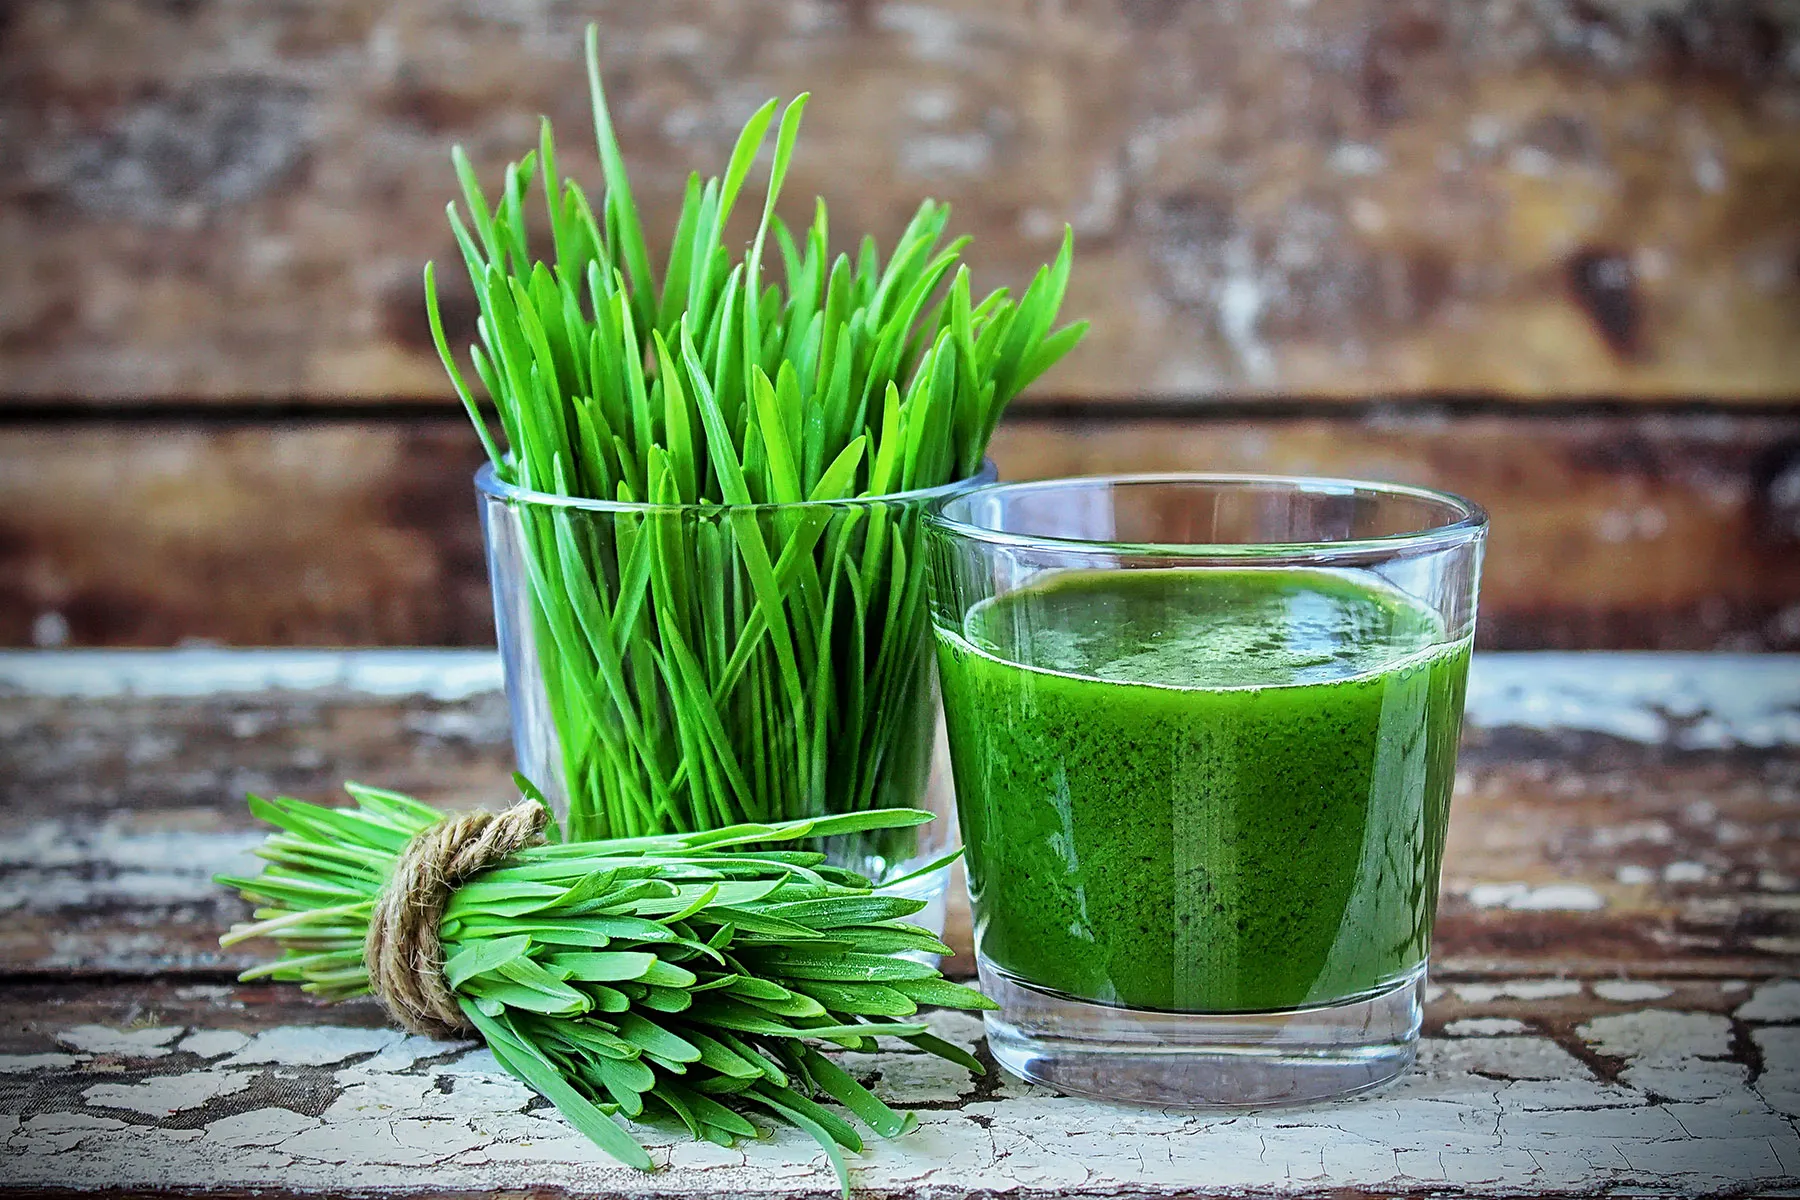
x=1544 y=252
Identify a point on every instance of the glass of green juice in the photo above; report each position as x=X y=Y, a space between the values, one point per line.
x=1203 y=730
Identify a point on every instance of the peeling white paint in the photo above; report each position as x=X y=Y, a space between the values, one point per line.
x=215 y=993
x=1780 y=1081
x=941 y=155
x=1242 y=297
x=313 y=1045
x=259 y=1127
x=1777 y=1001
x=1356 y=158
x=1628 y=833
x=1517 y=989
x=1697 y=1079
x=921 y=1078
x=1685 y=872
x=404 y=1053
x=60 y=1132
x=149 y=1042
x=24 y=1064
x=1521 y=1059
x=168 y=1094
x=1631 y=991
x=1784 y=947
x=1553 y=897
x=1500 y=1111
x=132 y=953
x=1483 y=1027
x=1655 y=1035
x=93 y=674
x=211 y=1043
x=932 y=105
x=1694 y=701
x=52 y=865
x=935 y=35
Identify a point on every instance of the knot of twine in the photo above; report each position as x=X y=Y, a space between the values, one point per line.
x=403 y=949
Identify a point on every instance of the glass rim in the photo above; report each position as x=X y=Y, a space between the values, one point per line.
x=1469 y=523
x=488 y=483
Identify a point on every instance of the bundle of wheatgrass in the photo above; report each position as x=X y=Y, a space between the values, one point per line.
x=708 y=662
x=680 y=980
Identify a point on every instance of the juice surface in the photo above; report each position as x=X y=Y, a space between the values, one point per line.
x=1204 y=790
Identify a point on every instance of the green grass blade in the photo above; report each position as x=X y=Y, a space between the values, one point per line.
x=622 y=209
x=529 y=1065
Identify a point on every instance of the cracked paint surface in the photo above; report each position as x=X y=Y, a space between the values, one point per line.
x=1603 y=1021
x=1689 y=701
x=1646 y=1097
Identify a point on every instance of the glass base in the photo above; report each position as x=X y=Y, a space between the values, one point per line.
x=1203 y=1060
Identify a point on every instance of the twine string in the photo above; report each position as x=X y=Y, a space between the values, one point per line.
x=403 y=950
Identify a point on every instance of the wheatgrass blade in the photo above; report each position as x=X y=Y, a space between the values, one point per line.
x=630 y=976
x=728 y=663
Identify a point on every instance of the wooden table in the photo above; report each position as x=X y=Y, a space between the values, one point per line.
x=1609 y=1010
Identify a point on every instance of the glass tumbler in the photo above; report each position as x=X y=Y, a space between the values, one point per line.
x=678 y=667
x=1203 y=731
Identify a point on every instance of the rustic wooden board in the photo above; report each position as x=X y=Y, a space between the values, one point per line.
x=1672 y=531
x=263 y=533
x=1614 y=813
x=1609 y=532
x=218 y=201
x=1527 y=1085
x=1612 y=1008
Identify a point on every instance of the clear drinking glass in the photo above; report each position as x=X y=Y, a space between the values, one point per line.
x=680 y=667
x=1204 y=733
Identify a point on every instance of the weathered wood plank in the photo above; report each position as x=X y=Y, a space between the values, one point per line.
x=255 y=534
x=1610 y=531
x=145 y=805
x=1614 y=814
x=217 y=200
x=1530 y=1085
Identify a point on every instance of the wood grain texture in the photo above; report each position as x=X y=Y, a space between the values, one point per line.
x=1672 y=531
x=255 y=534
x=219 y=201
x=1591 y=834
x=1655 y=532
x=1613 y=1008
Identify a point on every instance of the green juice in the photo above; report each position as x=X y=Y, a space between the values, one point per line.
x=1204 y=790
